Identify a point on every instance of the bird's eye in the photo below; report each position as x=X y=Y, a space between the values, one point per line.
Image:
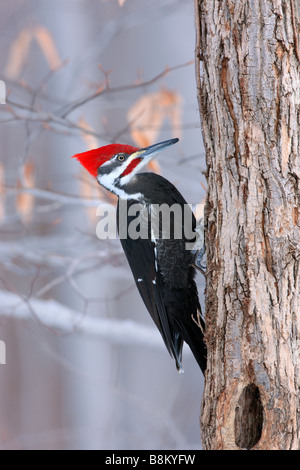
x=121 y=157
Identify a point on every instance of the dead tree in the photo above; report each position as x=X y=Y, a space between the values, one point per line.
x=248 y=77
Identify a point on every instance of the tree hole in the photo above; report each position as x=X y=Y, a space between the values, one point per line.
x=248 y=422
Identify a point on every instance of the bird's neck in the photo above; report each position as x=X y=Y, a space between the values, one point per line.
x=118 y=189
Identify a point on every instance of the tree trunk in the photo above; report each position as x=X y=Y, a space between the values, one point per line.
x=248 y=77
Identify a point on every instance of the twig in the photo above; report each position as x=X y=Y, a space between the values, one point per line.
x=103 y=91
x=62 y=198
x=59 y=317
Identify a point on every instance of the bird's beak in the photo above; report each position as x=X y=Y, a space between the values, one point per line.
x=148 y=153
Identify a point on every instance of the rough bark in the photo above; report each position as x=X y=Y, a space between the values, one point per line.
x=248 y=77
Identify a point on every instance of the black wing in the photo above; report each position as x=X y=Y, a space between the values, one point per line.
x=140 y=254
x=164 y=273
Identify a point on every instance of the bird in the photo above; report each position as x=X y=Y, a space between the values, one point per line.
x=162 y=267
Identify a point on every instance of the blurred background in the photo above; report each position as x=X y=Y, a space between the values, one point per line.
x=85 y=367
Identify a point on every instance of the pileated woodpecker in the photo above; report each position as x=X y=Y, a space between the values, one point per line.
x=163 y=268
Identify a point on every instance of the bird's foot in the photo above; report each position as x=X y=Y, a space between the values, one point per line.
x=199 y=256
x=198 y=321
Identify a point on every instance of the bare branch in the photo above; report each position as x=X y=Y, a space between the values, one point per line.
x=103 y=91
x=55 y=196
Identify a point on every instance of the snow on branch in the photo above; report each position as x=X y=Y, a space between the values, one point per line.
x=56 y=196
x=57 y=316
